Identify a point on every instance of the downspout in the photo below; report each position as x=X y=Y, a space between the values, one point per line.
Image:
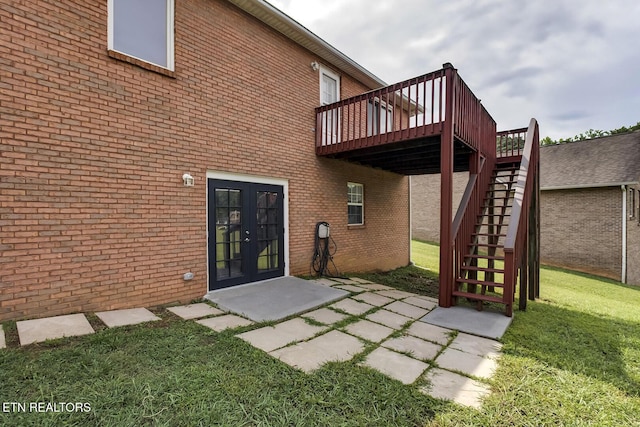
x=623 y=279
x=410 y=225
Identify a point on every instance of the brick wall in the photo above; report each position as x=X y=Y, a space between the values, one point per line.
x=425 y=204
x=581 y=229
x=94 y=215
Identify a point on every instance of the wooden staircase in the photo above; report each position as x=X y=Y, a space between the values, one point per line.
x=484 y=264
x=496 y=229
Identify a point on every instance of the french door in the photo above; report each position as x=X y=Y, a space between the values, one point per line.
x=246 y=232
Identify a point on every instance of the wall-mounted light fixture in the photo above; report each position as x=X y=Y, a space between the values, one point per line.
x=315 y=66
x=188 y=180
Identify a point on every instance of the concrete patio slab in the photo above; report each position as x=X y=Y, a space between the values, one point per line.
x=376 y=287
x=395 y=294
x=418 y=348
x=359 y=280
x=270 y=338
x=466 y=319
x=421 y=302
x=469 y=364
x=275 y=299
x=37 y=330
x=334 y=346
x=228 y=321
x=129 y=316
x=325 y=315
x=195 y=311
x=479 y=346
x=451 y=386
x=430 y=332
x=352 y=306
x=351 y=288
x=368 y=330
x=3 y=343
x=395 y=365
x=407 y=310
x=373 y=299
x=388 y=318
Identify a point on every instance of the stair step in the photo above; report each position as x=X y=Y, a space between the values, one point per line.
x=497 y=198
x=490 y=234
x=490 y=298
x=498 y=215
x=487 y=245
x=482 y=269
x=480 y=282
x=481 y=256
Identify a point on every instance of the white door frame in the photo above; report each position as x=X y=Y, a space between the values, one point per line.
x=260 y=180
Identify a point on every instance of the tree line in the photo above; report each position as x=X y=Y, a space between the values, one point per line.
x=591 y=133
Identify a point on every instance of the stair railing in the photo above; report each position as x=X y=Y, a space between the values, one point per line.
x=472 y=123
x=516 y=249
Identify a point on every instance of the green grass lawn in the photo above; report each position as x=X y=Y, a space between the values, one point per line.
x=572 y=359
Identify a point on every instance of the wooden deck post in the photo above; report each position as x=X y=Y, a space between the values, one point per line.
x=446 y=194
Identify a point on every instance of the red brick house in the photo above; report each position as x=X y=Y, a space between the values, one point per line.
x=98 y=131
x=155 y=150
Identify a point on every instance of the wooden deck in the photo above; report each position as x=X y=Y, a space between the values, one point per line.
x=399 y=127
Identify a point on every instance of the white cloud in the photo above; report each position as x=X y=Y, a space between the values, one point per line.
x=572 y=64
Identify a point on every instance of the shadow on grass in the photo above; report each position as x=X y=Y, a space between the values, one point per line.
x=596 y=346
x=591 y=277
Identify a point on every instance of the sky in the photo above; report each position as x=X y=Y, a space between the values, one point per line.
x=574 y=65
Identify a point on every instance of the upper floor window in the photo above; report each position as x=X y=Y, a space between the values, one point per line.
x=329 y=87
x=143 y=29
x=379 y=117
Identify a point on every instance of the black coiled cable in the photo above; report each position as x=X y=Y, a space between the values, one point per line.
x=323 y=253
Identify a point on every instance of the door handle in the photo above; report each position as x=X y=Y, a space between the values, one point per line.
x=246 y=239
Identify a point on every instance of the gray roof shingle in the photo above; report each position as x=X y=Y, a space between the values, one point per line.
x=599 y=162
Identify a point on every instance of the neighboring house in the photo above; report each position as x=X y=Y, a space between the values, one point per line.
x=590 y=199
x=142 y=144
x=590 y=206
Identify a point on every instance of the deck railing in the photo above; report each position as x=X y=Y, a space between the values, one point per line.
x=510 y=143
x=407 y=110
x=522 y=230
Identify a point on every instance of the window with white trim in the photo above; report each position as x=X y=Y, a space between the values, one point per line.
x=379 y=117
x=142 y=29
x=632 y=203
x=329 y=86
x=355 y=203
x=330 y=93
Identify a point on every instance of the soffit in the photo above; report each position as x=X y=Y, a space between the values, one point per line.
x=287 y=26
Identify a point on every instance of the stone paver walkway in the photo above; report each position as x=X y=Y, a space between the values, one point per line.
x=130 y=316
x=375 y=318
x=38 y=330
x=384 y=321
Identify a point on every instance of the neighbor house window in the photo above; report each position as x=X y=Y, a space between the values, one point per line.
x=355 y=203
x=142 y=29
x=632 y=203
